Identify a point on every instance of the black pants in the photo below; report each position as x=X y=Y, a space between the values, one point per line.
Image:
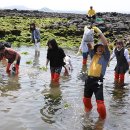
x=94 y=85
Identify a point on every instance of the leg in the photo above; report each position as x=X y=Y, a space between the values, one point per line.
x=52 y=76
x=37 y=49
x=101 y=109
x=121 y=81
x=116 y=79
x=85 y=55
x=87 y=104
x=56 y=77
x=8 y=68
x=52 y=69
x=87 y=96
x=17 y=65
x=17 y=68
x=57 y=74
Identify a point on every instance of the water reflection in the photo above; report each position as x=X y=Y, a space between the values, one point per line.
x=83 y=74
x=12 y=84
x=36 y=61
x=119 y=96
x=52 y=103
x=92 y=124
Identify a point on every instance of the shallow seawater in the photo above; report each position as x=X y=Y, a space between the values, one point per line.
x=30 y=102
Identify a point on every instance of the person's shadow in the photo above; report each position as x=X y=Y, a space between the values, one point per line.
x=119 y=96
x=52 y=102
x=12 y=84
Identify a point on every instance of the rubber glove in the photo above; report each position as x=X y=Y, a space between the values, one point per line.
x=97 y=30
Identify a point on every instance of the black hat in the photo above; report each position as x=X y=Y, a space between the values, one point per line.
x=96 y=46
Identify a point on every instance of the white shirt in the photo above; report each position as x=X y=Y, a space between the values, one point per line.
x=126 y=54
x=87 y=38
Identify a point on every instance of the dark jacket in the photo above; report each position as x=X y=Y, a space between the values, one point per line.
x=56 y=57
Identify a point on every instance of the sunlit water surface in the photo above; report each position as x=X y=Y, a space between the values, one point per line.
x=30 y=102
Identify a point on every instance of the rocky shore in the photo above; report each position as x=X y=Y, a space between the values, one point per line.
x=113 y=24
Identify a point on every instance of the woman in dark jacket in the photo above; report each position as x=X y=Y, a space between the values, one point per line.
x=55 y=55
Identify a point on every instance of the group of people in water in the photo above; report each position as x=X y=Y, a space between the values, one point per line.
x=100 y=58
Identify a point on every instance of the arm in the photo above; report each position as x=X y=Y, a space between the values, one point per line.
x=88 y=13
x=47 y=58
x=47 y=61
x=36 y=35
x=17 y=56
x=113 y=55
x=126 y=54
x=101 y=35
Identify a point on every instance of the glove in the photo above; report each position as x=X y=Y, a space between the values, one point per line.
x=35 y=40
x=78 y=53
x=97 y=30
x=15 y=62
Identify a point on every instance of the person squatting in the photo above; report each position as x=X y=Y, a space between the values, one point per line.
x=12 y=56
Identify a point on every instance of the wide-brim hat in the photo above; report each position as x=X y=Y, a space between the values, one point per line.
x=97 y=45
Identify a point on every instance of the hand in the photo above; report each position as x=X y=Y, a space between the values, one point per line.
x=79 y=53
x=85 y=28
x=35 y=40
x=108 y=65
x=97 y=30
x=14 y=62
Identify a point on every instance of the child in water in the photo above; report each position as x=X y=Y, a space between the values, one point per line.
x=55 y=55
x=12 y=56
x=100 y=55
x=87 y=41
x=123 y=63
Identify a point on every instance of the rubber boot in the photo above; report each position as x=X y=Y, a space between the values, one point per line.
x=87 y=104
x=116 y=79
x=101 y=109
x=56 y=77
x=121 y=81
x=84 y=62
x=8 y=68
x=17 y=68
x=116 y=82
x=52 y=76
